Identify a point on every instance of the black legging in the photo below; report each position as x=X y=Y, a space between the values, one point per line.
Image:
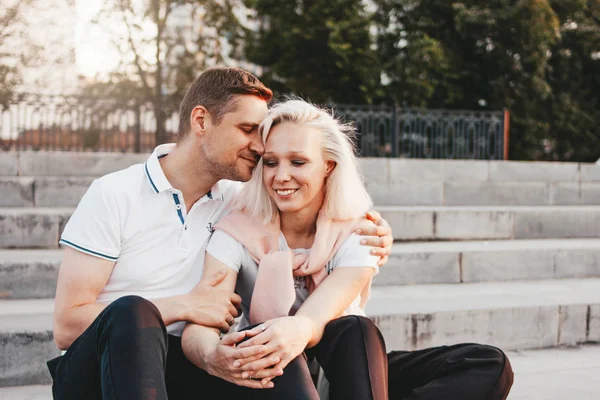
x=126 y=353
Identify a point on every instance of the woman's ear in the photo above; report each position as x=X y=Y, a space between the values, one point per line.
x=330 y=167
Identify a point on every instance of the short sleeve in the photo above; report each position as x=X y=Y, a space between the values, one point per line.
x=353 y=254
x=226 y=249
x=94 y=227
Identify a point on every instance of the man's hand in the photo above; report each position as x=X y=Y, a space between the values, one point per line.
x=222 y=361
x=379 y=235
x=285 y=338
x=210 y=306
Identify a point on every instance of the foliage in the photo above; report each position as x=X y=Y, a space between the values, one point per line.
x=319 y=49
x=534 y=57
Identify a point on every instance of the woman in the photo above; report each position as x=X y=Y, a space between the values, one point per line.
x=305 y=200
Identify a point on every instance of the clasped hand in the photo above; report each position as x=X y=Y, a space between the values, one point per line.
x=283 y=339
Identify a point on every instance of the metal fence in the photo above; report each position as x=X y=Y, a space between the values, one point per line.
x=80 y=124
x=424 y=133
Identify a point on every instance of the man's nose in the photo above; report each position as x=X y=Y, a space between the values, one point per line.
x=257 y=145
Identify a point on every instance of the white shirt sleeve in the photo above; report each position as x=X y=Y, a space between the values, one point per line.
x=226 y=249
x=94 y=227
x=353 y=254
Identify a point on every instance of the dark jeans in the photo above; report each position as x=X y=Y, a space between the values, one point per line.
x=126 y=353
x=466 y=371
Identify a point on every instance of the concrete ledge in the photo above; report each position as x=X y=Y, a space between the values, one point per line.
x=16 y=192
x=31 y=227
x=59 y=163
x=492 y=222
x=25 y=191
x=516 y=315
x=29 y=274
x=9 y=163
x=485 y=261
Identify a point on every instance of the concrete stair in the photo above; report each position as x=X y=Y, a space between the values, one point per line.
x=505 y=253
x=540 y=313
x=40 y=227
x=32 y=273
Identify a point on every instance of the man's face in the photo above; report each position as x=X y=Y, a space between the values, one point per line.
x=233 y=147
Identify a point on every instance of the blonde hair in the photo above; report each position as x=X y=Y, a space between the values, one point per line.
x=345 y=194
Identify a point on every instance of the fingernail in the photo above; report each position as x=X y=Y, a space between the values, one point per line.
x=363 y=241
x=358 y=231
x=236 y=364
x=245 y=375
x=373 y=252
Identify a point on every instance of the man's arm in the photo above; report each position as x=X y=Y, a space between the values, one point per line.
x=82 y=277
x=378 y=234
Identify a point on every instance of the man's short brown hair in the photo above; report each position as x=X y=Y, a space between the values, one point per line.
x=216 y=89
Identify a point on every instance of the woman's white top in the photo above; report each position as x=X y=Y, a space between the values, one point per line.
x=232 y=253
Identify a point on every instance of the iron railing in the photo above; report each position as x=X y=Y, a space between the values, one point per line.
x=85 y=124
x=423 y=133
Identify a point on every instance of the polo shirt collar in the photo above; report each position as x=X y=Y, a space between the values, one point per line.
x=159 y=182
x=156 y=177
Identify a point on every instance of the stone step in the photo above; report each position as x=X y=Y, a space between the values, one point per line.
x=32 y=273
x=29 y=273
x=66 y=191
x=376 y=170
x=510 y=315
x=545 y=374
x=26 y=341
x=25 y=191
x=32 y=392
x=492 y=222
x=65 y=163
x=497 y=260
x=36 y=227
x=40 y=227
x=484 y=193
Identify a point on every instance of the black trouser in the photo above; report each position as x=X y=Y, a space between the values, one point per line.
x=466 y=371
x=126 y=354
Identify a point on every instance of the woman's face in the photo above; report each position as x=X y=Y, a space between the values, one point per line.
x=294 y=169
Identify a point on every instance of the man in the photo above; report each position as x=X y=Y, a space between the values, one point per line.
x=129 y=277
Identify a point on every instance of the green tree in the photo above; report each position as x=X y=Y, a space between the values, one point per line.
x=473 y=55
x=319 y=49
x=574 y=75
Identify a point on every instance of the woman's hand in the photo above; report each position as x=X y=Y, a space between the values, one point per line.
x=379 y=235
x=285 y=338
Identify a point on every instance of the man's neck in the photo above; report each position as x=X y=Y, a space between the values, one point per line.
x=187 y=172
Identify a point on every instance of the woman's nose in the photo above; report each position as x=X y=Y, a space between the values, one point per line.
x=282 y=175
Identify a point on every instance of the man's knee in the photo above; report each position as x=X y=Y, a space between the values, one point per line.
x=504 y=382
x=135 y=312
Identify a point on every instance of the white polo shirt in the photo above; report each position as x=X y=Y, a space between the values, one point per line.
x=137 y=219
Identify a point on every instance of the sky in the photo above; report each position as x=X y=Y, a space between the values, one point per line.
x=94 y=53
